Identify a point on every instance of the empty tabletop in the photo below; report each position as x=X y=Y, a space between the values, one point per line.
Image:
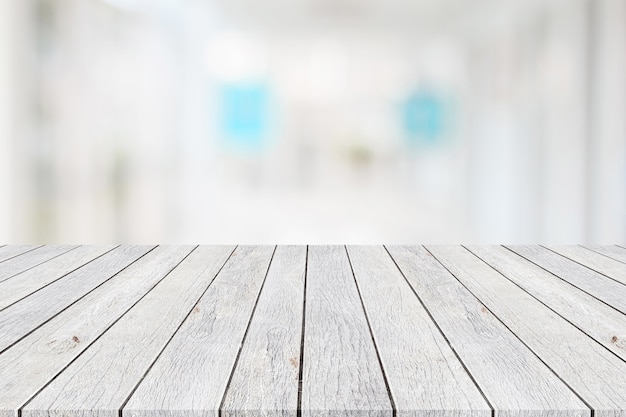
x=292 y=331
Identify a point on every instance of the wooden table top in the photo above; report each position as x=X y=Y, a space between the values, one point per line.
x=454 y=331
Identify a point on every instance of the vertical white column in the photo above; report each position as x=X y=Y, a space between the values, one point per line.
x=499 y=148
x=564 y=107
x=607 y=132
x=6 y=120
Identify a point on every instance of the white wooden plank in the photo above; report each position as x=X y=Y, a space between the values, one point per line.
x=21 y=318
x=265 y=381
x=425 y=377
x=11 y=251
x=100 y=380
x=606 y=289
x=32 y=363
x=31 y=259
x=603 y=323
x=190 y=376
x=341 y=372
x=600 y=263
x=592 y=371
x=513 y=379
x=614 y=252
x=20 y=286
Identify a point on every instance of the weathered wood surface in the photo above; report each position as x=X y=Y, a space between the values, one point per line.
x=485 y=345
x=592 y=371
x=32 y=363
x=595 y=318
x=606 y=289
x=28 y=282
x=425 y=377
x=192 y=373
x=11 y=251
x=606 y=266
x=22 y=318
x=126 y=350
x=614 y=252
x=341 y=372
x=265 y=380
x=291 y=331
x=19 y=264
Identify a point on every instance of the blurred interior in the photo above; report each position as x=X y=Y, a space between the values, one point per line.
x=313 y=121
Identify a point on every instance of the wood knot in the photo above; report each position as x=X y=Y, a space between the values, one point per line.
x=614 y=339
x=294 y=362
x=75 y=339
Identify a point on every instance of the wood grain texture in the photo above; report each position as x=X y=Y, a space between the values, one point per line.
x=425 y=377
x=581 y=362
x=101 y=379
x=11 y=251
x=20 y=286
x=501 y=365
x=341 y=372
x=332 y=331
x=603 y=323
x=21 y=318
x=265 y=381
x=190 y=376
x=606 y=289
x=614 y=252
x=32 y=363
x=600 y=263
x=31 y=259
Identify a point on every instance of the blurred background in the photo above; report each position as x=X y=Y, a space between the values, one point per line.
x=313 y=121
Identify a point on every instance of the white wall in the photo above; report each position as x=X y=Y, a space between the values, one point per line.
x=6 y=131
x=563 y=76
x=607 y=146
x=124 y=146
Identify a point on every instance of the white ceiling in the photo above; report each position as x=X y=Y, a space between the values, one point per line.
x=385 y=15
x=401 y=17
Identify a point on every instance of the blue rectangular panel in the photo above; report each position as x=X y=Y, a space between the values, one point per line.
x=244 y=115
